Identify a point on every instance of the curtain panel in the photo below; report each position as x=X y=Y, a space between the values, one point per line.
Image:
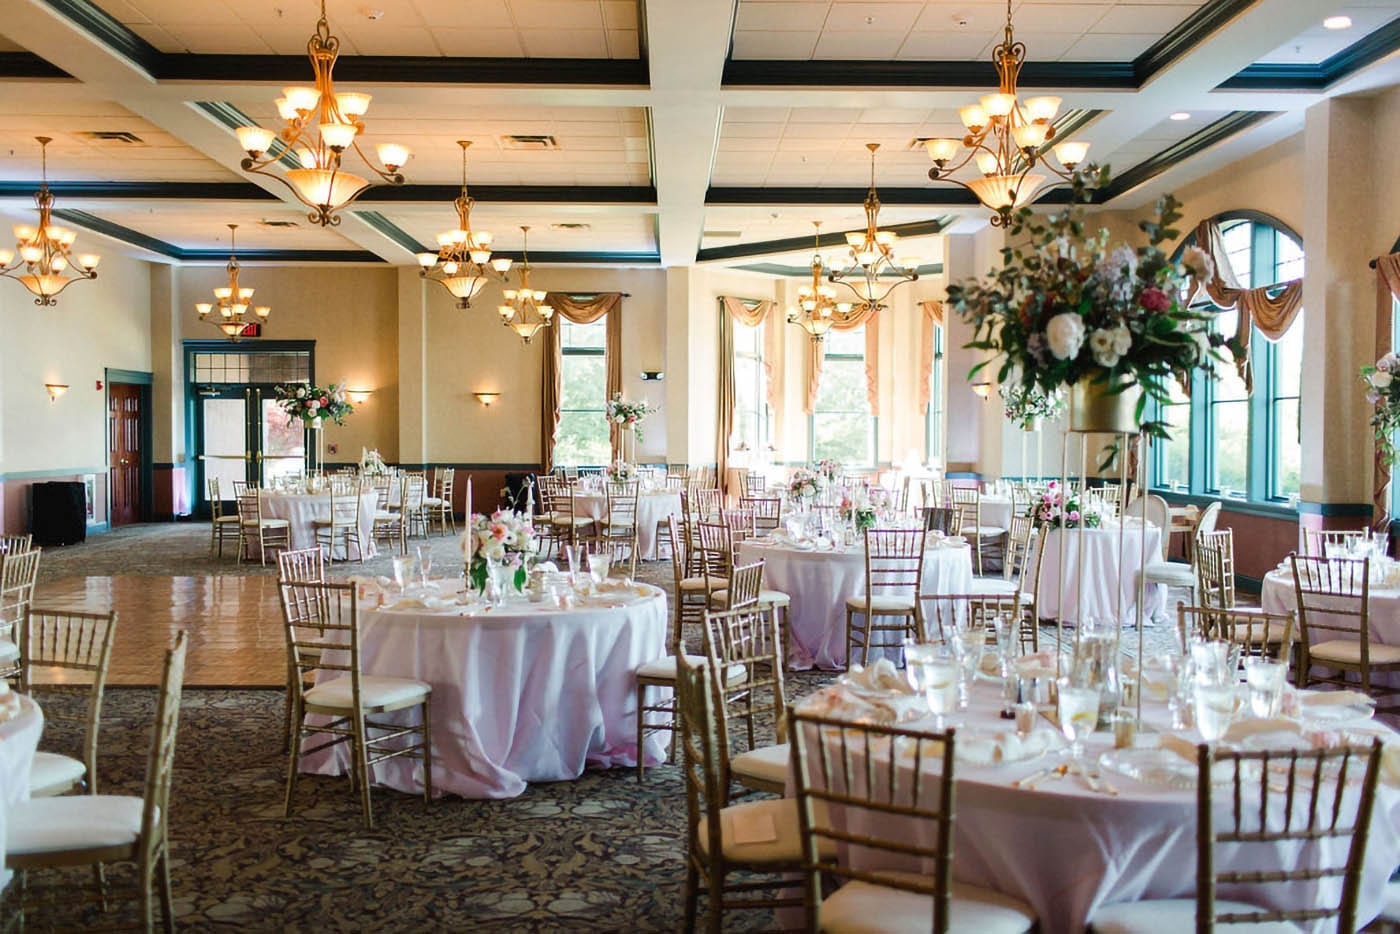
x=1272 y=315
x=1387 y=292
x=750 y=314
x=932 y=318
x=579 y=310
x=867 y=315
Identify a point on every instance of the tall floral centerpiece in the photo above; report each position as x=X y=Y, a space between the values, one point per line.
x=628 y=416
x=372 y=463
x=805 y=485
x=1383 y=392
x=1109 y=324
x=498 y=545
x=313 y=406
x=1028 y=406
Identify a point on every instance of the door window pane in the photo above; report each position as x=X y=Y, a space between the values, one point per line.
x=224 y=443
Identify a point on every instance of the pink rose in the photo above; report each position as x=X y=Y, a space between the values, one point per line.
x=1154 y=299
x=1074 y=516
x=1373 y=397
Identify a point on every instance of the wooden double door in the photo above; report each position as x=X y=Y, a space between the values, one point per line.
x=126 y=454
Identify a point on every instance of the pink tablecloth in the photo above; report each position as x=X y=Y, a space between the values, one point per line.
x=1102 y=584
x=652 y=508
x=302 y=509
x=520 y=694
x=819 y=583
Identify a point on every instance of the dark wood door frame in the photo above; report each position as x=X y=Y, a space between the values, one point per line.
x=144 y=383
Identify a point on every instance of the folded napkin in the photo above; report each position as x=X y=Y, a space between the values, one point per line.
x=843 y=703
x=548 y=567
x=1335 y=699
x=1001 y=746
x=1178 y=744
x=1036 y=665
x=881 y=676
x=1241 y=730
x=423 y=603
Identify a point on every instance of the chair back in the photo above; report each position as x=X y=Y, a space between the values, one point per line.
x=746 y=637
x=894 y=561
x=1158 y=514
x=741 y=523
x=715 y=544
x=1287 y=817
x=945 y=615
x=1018 y=549
x=322 y=623
x=766 y=512
x=382 y=484
x=1215 y=568
x=1333 y=597
x=160 y=768
x=13 y=544
x=702 y=503
x=411 y=493
x=77 y=647
x=674 y=471
x=444 y=478
x=239 y=488
x=1269 y=635
x=966 y=504
x=19 y=572
x=745 y=582
x=216 y=498
x=703 y=761
x=840 y=786
x=1208 y=518
x=1323 y=542
x=754 y=483
x=305 y=565
x=622 y=507
x=548 y=485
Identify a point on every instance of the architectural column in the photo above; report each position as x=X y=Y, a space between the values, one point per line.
x=413 y=366
x=174 y=467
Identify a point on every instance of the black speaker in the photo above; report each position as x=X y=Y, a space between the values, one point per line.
x=59 y=513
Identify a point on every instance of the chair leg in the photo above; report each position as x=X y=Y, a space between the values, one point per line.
x=360 y=745
x=428 y=751
x=692 y=898
x=293 y=755
x=167 y=902
x=641 y=731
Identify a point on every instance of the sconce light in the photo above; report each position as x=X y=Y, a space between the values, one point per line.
x=359 y=396
x=651 y=376
x=983 y=389
x=486 y=398
x=55 y=390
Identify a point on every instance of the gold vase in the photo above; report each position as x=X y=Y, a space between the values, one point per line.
x=1094 y=407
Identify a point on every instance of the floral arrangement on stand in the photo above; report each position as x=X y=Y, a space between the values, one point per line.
x=503 y=539
x=620 y=472
x=830 y=469
x=1383 y=392
x=1028 y=405
x=1056 y=511
x=806 y=484
x=313 y=405
x=372 y=464
x=1065 y=308
x=628 y=414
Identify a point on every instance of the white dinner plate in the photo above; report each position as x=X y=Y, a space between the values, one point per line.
x=1337 y=713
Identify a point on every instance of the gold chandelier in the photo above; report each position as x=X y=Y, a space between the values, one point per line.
x=45 y=265
x=817 y=308
x=872 y=253
x=524 y=311
x=463 y=261
x=320 y=125
x=232 y=300
x=1006 y=139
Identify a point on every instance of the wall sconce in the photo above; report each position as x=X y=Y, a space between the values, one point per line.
x=359 y=396
x=652 y=376
x=983 y=389
x=55 y=390
x=486 y=398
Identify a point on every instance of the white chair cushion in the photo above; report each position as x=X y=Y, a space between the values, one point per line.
x=982 y=531
x=693 y=584
x=74 y=822
x=664 y=669
x=432 y=501
x=53 y=774
x=226 y=520
x=766 y=764
x=375 y=691
x=1172 y=574
x=879 y=909
x=1349 y=652
x=999 y=586
x=774 y=597
x=783 y=814
x=1175 y=914
x=882 y=603
x=8 y=651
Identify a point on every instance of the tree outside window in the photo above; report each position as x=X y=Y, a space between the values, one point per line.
x=582 y=436
x=752 y=418
x=842 y=427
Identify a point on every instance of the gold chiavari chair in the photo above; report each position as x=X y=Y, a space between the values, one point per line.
x=221 y=527
x=754 y=483
x=548 y=485
x=1320 y=542
x=745 y=584
x=1266 y=634
x=617 y=531
x=19 y=572
x=413 y=505
x=1021 y=541
x=92 y=830
x=303 y=566
x=1285 y=817
x=383 y=484
x=15 y=543
x=674 y=471
x=966 y=504
x=910 y=810
x=1334 y=623
x=258 y=531
x=239 y=488
x=946 y=614
x=389 y=524
x=568 y=525
x=342 y=526
x=439 y=505
x=1215 y=568
x=743 y=643
x=714 y=542
x=736 y=876
x=741 y=522
x=68 y=651
x=323 y=646
x=767 y=512
x=701 y=504
x=894 y=571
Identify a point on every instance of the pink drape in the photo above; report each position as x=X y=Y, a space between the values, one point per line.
x=1387 y=293
x=867 y=315
x=932 y=318
x=571 y=308
x=750 y=314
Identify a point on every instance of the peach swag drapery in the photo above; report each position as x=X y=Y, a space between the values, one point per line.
x=1387 y=293
x=750 y=314
x=579 y=310
x=1272 y=315
x=868 y=315
x=932 y=318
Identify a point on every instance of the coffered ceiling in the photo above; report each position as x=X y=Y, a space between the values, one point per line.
x=659 y=132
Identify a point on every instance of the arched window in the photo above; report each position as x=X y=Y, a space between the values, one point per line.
x=1227 y=442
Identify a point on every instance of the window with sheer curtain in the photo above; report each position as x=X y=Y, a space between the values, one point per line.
x=933 y=426
x=752 y=418
x=841 y=426
x=1226 y=442
x=582 y=436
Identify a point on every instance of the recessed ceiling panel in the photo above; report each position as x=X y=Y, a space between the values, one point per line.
x=1319 y=43
x=561 y=228
x=191 y=226
x=735 y=225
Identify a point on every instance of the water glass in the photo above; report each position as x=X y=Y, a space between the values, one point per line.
x=1210 y=660
x=1025 y=719
x=425 y=562
x=598 y=566
x=1078 y=715
x=1265 y=678
x=933 y=672
x=403 y=571
x=574 y=554
x=1215 y=708
x=969 y=646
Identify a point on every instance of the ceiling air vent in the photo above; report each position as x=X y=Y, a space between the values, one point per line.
x=278 y=224
x=529 y=142
x=114 y=136
x=571 y=226
x=723 y=234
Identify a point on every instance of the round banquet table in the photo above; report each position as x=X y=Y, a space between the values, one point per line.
x=1104 y=578
x=653 y=506
x=302 y=509
x=521 y=693
x=818 y=583
x=996 y=510
x=19 y=737
x=1067 y=851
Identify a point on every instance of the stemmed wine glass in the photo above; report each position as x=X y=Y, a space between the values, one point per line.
x=403 y=571
x=1078 y=714
x=425 y=562
x=968 y=646
x=934 y=673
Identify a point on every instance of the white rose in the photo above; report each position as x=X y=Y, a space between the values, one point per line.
x=1101 y=346
x=313 y=405
x=301 y=393
x=1381 y=379
x=1065 y=334
x=1122 y=339
x=1197 y=262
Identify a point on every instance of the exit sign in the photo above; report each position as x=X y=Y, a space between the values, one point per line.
x=251 y=330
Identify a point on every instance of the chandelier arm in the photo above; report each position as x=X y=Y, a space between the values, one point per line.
x=392 y=178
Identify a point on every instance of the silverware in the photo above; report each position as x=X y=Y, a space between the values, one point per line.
x=1032 y=778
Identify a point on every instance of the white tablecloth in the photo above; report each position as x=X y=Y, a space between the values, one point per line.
x=996 y=510
x=652 y=508
x=302 y=509
x=819 y=583
x=19 y=737
x=1066 y=850
x=1109 y=587
x=520 y=693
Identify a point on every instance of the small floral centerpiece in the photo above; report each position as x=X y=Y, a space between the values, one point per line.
x=829 y=469
x=620 y=472
x=504 y=539
x=1028 y=404
x=1067 y=310
x=372 y=464
x=859 y=511
x=313 y=405
x=628 y=414
x=805 y=484
x=1055 y=510
x=1383 y=392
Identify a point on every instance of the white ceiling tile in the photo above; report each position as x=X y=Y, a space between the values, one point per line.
x=620 y=14
x=622 y=43
x=1158 y=18
x=218 y=39
x=770 y=115
x=556 y=14
x=479 y=43
x=206 y=12
x=944 y=46
x=1100 y=48
x=157 y=37
x=974 y=18
x=765 y=45
x=859 y=46
x=784 y=17
x=382 y=39
x=877 y=17
x=477 y=14
x=1032 y=21
x=566 y=43
x=743 y=144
